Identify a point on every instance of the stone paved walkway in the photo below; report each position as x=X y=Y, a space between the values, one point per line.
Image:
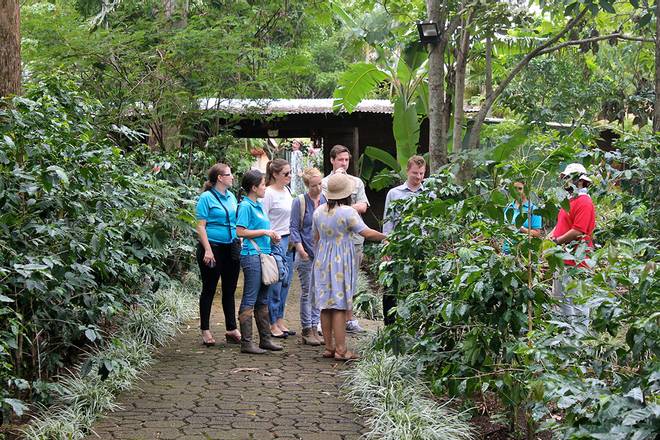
x=195 y=392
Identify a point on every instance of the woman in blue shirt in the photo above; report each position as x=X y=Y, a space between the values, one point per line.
x=521 y=206
x=253 y=226
x=216 y=229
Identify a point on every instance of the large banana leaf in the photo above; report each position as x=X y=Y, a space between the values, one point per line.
x=382 y=156
x=356 y=84
x=511 y=143
x=406 y=131
x=415 y=55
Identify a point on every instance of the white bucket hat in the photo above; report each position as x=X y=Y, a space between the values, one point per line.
x=573 y=169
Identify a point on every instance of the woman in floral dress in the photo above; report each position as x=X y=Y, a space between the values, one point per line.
x=335 y=275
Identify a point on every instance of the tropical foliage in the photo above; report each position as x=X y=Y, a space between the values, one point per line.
x=89 y=231
x=480 y=322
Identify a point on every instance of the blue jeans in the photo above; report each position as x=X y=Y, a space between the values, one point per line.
x=254 y=291
x=277 y=294
x=309 y=312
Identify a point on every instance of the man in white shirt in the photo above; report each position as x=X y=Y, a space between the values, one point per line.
x=412 y=186
x=340 y=158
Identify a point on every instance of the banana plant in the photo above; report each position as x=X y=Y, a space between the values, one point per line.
x=404 y=70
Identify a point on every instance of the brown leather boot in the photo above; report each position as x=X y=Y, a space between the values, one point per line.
x=318 y=336
x=263 y=324
x=245 y=322
x=308 y=337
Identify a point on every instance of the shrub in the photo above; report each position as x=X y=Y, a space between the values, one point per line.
x=87 y=231
x=477 y=320
x=386 y=388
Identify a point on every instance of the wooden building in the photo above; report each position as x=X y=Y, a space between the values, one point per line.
x=370 y=124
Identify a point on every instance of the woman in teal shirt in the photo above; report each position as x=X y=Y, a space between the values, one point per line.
x=521 y=206
x=216 y=229
x=254 y=226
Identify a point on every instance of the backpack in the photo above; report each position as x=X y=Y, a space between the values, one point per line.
x=303 y=206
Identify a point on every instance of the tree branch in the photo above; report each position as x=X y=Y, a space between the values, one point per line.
x=485 y=108
x=616 y=35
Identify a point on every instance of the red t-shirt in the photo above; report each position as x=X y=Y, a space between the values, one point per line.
x=581 y=217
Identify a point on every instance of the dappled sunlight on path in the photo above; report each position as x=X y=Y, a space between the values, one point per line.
x=194 y=392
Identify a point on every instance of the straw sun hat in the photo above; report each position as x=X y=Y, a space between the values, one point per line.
x=340 y=186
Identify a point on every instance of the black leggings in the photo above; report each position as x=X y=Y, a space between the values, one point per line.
x=225 y=269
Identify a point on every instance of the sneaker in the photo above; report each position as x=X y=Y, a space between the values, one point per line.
x=318 y=329
x=354 y=327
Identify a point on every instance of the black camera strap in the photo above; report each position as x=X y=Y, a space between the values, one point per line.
x=226 y=212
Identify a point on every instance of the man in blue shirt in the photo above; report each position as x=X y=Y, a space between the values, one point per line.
x=416 y=170
x=521 y=206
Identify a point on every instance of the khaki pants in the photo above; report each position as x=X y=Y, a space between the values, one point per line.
x=560 y=290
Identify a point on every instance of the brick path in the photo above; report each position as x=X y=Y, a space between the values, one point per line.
x=195 y=392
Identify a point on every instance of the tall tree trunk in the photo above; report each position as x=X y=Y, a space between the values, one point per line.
x=177 y=9
x=459 y=86
x=656 y=113
x=10 y=48
x=437 y=136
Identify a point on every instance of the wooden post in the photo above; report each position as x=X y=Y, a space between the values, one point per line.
x=355 y=153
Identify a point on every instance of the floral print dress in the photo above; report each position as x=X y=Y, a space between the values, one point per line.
x=334 y=275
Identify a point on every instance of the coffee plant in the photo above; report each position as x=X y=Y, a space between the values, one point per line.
x=481 y=323
x=88 y=230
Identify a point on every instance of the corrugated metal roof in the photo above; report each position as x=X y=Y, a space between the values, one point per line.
x=290 y=106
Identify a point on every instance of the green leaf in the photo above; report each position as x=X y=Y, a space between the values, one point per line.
x=5 y=299
x=384 y=179
x=607 y=6
x=356 y=84
x=16 y=405
x=414 y=55
x=504 y=150
x=645 y=20
x=635 y=394
x=90 y=334
x=9 y=141
x=498 y=198
x=406 y=131
x=61 y=174
x=382 y=156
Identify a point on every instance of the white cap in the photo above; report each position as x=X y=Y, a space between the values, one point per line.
x=576 y=168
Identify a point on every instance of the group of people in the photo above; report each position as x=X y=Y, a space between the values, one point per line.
x=320 y=233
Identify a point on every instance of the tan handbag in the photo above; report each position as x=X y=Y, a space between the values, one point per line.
x=270 y=273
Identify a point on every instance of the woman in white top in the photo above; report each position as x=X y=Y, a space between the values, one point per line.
x=277 y=206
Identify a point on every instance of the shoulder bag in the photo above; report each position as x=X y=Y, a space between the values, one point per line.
x=270 y=272
x=235 y=246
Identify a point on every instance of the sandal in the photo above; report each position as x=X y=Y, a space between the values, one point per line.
x=347 y=356
x=232 y=338
x=208 y=342
x=328 y=354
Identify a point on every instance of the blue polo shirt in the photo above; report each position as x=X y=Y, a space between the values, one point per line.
x=209 y=209
x=511 y=213
x=251 y=216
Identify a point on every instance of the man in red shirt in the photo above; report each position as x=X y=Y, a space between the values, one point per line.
x=575 y=226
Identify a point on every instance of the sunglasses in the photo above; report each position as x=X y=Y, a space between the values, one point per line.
x=286 y=174
x=225 y=175
x=519 y=188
